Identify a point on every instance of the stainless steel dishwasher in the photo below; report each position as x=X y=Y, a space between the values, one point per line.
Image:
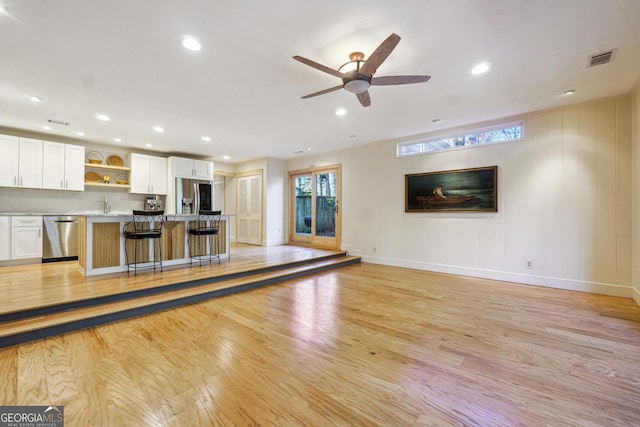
x=60 y=241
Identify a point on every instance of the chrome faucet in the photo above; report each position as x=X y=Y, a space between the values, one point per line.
x=107 y=206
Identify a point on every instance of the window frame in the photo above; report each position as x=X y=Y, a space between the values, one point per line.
x=462 y=133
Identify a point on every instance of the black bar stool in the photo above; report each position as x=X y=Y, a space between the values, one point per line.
x=202 y=233
x=145 y=225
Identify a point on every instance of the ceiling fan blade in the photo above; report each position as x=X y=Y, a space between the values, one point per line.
x=364 y=98
x=380 y=54
x=320 y=67
x=322 y=92
x=398 y=80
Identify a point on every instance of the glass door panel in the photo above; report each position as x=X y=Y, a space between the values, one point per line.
x=302 y=209
x=326 y=204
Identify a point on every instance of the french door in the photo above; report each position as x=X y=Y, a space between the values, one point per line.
x=315 y=207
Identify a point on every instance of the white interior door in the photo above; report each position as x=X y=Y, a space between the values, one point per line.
x=249 y=213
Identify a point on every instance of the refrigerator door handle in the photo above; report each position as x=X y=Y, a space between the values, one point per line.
x=196 y=198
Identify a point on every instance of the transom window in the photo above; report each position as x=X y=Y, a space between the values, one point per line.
x=506 y=132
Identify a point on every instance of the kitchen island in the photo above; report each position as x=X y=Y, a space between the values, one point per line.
x=102 y=244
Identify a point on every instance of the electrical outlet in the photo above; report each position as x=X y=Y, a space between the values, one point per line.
x=529 y=264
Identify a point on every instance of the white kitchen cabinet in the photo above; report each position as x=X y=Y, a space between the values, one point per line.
x=30 y=165
x=20 y=162
x=5 y=238
x=148 y=174
x=63 y=166
x=26 y=237
x=191 y=168
x=10 y=148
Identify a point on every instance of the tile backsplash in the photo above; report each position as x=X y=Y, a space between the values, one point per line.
x=90 y=201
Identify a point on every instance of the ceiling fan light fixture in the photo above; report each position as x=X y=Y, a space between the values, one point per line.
x=357 y=86
x=356 y=59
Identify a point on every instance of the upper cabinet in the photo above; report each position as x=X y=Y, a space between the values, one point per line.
x=9 y=146
x=21 y=162
x=63 y=167
x=148 y=174
x=191 y=168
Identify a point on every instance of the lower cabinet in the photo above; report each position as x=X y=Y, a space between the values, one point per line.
x=5 y=238
x=26 y=237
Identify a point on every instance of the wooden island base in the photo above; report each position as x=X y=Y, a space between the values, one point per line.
x=102 y=245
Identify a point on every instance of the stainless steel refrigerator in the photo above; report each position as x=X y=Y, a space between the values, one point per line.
x=193 y=195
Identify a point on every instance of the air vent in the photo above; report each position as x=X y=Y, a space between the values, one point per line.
x=601 y=58
x=58 y=122
x=298 y=152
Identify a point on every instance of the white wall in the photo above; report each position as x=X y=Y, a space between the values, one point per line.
x=275 y=202
x=564 y=203
x=636 y=191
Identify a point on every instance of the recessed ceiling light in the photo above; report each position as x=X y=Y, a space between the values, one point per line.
x=35 y=98
x=148 y=145
x=103 y=117
x=80 y=133
x=117 y=139
x=481 y=68
x=569 y=92
x=191 y=43
x=206 y=138
x=158 y=129
x=226 y=157
x=3 y=10
x=45 y=127
x=341 y=112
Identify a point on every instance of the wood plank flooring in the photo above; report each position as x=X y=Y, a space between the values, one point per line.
x=33 y=286
x=362 y=345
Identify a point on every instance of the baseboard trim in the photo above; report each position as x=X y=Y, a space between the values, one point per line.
x=636 y=295
x=526 y=279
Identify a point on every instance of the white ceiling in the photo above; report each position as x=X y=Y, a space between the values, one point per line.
x=124 y=58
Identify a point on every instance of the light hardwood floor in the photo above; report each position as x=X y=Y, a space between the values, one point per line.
x=362 y=345
x=33 y=286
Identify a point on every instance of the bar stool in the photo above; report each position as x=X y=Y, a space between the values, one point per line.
x=145 y=225
x=201 y=232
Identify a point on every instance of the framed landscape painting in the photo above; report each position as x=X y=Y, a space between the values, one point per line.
x=461 y=190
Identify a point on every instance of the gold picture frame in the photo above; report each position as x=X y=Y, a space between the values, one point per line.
x=460 y=190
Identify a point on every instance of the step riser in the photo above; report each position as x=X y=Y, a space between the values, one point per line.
x=139 y=311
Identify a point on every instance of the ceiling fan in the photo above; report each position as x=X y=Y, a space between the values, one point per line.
x=357 y=74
